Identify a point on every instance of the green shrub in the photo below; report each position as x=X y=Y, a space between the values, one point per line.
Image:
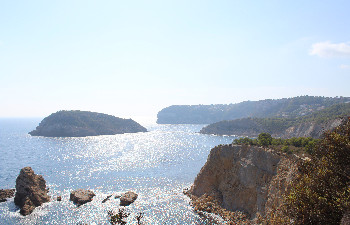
x=264 y=139
x=320 y=194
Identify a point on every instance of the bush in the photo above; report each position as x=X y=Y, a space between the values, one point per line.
x=264 y=139
x=320 y=194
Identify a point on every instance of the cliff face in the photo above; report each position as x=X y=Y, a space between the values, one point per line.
x=309 y=129
x=252 y=127
x=243 y=178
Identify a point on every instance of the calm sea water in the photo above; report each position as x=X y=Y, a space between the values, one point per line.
x=157 y=165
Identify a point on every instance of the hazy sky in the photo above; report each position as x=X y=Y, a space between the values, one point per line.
x=133 y=58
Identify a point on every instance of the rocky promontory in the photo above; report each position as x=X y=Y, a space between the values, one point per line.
x=84 y=123
x=312 y=125
x=245 y=179
x=31 y=191
x=268 y=108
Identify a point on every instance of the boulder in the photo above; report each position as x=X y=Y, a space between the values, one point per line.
x=81 y=196
x=31 y=191
x=6 y=193
x=128 y=198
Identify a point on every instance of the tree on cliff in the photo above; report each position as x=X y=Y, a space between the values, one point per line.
x=321 y=192
x=264 y=139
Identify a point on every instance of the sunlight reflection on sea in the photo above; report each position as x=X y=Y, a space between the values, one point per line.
x=157 y=165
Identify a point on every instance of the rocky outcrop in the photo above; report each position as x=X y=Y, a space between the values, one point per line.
x=81 y=196
x=31 y=191
x=83 y=123
x=248 y=179
x=6 y=193
x=309 y=129
x=128 y=198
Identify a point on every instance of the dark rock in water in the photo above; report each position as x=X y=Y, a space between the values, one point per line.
x=106 y=199
x=31 y=191
x=81 y=196
x=83 y=123
x=128 y=198
x=6 y=193
x=59 y=198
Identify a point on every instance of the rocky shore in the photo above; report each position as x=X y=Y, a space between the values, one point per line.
x=31 y=192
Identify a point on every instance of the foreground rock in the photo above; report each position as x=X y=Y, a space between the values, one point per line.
x=81 y=196
x=128 y=198
x=6 y=193
x=242 y=179
x=31 y=191
x=83 y=123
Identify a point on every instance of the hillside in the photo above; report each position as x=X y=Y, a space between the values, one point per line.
x=306 y=126
x=83 y=123
x=279 y=108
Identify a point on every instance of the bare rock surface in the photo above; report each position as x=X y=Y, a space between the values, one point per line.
x=243 y=178
x=6 y=193
x=81 y=196
x=128 y=198
x=31 y=191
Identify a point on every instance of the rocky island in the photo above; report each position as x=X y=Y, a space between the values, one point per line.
x=77 y=123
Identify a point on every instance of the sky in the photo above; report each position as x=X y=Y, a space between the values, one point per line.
x=132 y=58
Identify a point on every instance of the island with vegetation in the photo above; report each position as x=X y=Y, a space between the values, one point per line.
x=269 y=108
x=311 y=125
x=77 y=123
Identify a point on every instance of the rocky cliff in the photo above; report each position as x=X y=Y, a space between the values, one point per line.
x=83 y=123
x=252 y=127
x=248 y=179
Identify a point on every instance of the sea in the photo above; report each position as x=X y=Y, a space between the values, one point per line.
x=158 y=165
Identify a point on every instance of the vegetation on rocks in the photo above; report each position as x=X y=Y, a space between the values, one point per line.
x=291 y=145
x=321 y=192
x=268 y=108
x=77 y=123
x=278 y=126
